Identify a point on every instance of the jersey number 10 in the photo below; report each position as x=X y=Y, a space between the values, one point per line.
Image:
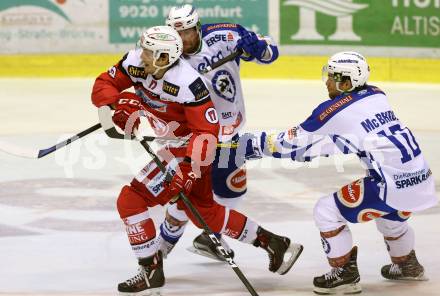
x=404 y=140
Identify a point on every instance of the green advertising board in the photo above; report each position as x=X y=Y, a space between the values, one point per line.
x=129 y=18
x=401 y=23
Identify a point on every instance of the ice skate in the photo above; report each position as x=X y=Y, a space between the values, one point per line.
x=340 y=280
x=282 y=253
x=148 y=281
x=410 y=270
x=202 y=245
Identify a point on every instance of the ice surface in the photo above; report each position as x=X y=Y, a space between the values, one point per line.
x=60 y=233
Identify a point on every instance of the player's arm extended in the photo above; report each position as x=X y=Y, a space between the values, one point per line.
x=296 y=144
x=109 y=85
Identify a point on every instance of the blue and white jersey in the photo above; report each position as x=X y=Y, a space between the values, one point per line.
x=363 y=123
x=218 y=41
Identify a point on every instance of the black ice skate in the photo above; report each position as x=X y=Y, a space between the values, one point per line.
x=410 y=270
x=278 y=247
x=149 y=279
x=203 y=245
x=340 y=280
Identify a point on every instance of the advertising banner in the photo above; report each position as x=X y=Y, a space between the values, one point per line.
x=128 y=18
x=43 y=26
x=397 y=23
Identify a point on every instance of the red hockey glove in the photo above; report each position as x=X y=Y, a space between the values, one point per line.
x=182 y=182
x=125 y=106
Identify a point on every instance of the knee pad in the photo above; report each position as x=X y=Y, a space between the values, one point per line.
x=130 y=202
x=326 y=214
x=239 y=227
x=213 y=214
x=175 y=215
x=398 y=236
x=391 y=228
x=338 y=245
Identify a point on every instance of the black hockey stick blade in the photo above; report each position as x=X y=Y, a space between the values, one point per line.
x=35 y=153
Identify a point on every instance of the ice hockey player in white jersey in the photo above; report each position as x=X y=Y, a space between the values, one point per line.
x=358 y=119
x=204 y=45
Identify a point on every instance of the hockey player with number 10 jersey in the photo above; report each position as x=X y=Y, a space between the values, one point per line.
x=357 y=119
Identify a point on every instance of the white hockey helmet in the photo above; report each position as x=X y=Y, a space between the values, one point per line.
x=347 y=64
x=162 y=39
x=183 y=17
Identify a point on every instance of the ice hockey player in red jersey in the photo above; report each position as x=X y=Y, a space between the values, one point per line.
x=172 y=95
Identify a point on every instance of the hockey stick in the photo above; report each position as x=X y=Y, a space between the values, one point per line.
x=226 y=59
x=34 y=153
x=105 y=118
x=200 y=219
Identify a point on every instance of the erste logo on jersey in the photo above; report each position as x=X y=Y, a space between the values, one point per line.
x=138 y=72
x=352 y=195
x=224 y=85
x=219 y=37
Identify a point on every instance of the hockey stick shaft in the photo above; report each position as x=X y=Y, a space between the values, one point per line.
x=219 y=63
x=200 y=219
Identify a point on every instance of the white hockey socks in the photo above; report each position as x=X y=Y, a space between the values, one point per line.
x=171 y=229
x=338 y=245
x=402 y=246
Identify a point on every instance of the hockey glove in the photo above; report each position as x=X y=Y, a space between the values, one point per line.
x=125 y=107
x=251 y=45
x=182 y=182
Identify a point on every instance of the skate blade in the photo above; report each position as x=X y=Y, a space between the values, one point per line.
x=204 y=253
x=149 y=292
x=348 y=289
x=293 y=252
x=419 y=278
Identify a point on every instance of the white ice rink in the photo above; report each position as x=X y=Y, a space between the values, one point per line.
x=60 y=233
